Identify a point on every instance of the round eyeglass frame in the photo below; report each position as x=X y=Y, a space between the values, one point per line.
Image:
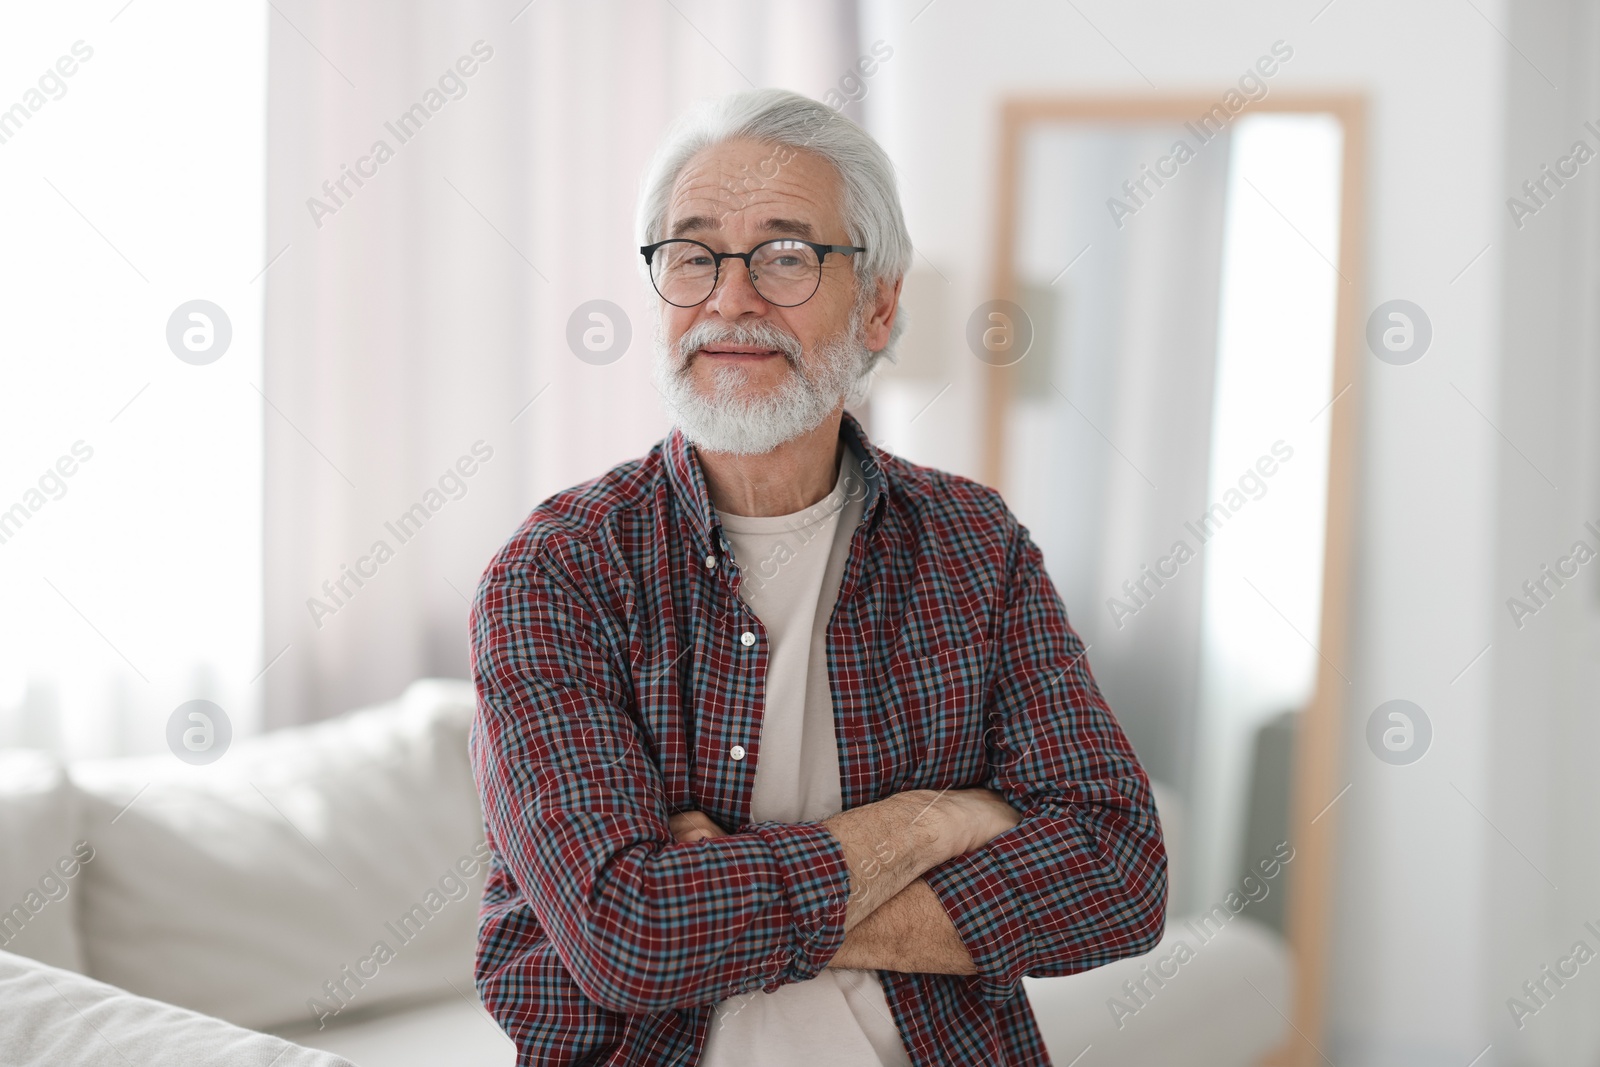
x=822 y=250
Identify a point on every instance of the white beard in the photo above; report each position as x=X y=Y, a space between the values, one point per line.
x=725 y=421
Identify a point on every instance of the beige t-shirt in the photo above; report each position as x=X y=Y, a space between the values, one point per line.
x=790 y=569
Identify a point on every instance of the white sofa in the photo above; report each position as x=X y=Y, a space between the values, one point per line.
x=53 y=1017
x=320 y=884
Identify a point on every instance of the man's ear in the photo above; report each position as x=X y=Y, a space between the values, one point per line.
x=884 y=304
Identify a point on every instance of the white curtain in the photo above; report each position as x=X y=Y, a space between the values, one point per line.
x=416 y=322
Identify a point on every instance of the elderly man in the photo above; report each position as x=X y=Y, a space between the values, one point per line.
x=787 y=752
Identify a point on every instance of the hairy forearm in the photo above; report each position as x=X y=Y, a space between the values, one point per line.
x=890 y=843
x=910 y=932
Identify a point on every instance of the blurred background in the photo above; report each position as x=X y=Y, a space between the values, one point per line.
x=275 y=277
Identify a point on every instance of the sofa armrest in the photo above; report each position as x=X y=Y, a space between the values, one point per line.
x=59 y=1018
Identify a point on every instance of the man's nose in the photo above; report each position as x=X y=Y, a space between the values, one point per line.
x=735 y=294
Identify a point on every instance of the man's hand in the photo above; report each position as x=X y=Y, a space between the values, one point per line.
x=910 y=931
x=890 y=843
x=693 y=826
x=983 y=814
x=974 y=815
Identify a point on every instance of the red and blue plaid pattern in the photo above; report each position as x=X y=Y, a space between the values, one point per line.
x=614 y=682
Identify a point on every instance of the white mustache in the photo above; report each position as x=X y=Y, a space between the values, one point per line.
x=762 y=334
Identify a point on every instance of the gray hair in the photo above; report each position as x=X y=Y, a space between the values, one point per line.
x=871 y=202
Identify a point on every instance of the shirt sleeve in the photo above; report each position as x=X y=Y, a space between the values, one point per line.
x=575 y=806
x=1082 y=879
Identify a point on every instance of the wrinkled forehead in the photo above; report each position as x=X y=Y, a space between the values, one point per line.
x=743 y=188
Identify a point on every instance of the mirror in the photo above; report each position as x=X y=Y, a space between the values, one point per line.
x=1171 y=414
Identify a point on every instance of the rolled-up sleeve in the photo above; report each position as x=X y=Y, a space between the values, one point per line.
x=575 y=806
x=1082 y=879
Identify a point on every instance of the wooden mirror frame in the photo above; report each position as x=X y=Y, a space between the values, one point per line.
x=1320 y=733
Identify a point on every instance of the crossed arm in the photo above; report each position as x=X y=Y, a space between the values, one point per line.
x=894 y=921
x=644 y=920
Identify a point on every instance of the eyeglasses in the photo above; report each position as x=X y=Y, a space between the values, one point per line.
x=785 y=271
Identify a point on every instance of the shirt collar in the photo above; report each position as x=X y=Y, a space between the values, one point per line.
x=689 y=483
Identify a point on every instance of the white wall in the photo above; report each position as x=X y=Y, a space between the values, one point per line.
x=1543 y=731
x=1425 y=944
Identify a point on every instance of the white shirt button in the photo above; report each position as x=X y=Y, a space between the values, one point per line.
x=747 y=639
x=711 y=563
x=737 y=752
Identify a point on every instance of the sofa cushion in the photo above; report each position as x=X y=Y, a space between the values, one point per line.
x=40 y=869
x=305 y=871
x=1174 y=817
x=55 y=1018
x=1189 y=1001
x=454 y=1030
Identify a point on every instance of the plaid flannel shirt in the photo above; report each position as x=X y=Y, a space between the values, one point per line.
x=618 y=676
